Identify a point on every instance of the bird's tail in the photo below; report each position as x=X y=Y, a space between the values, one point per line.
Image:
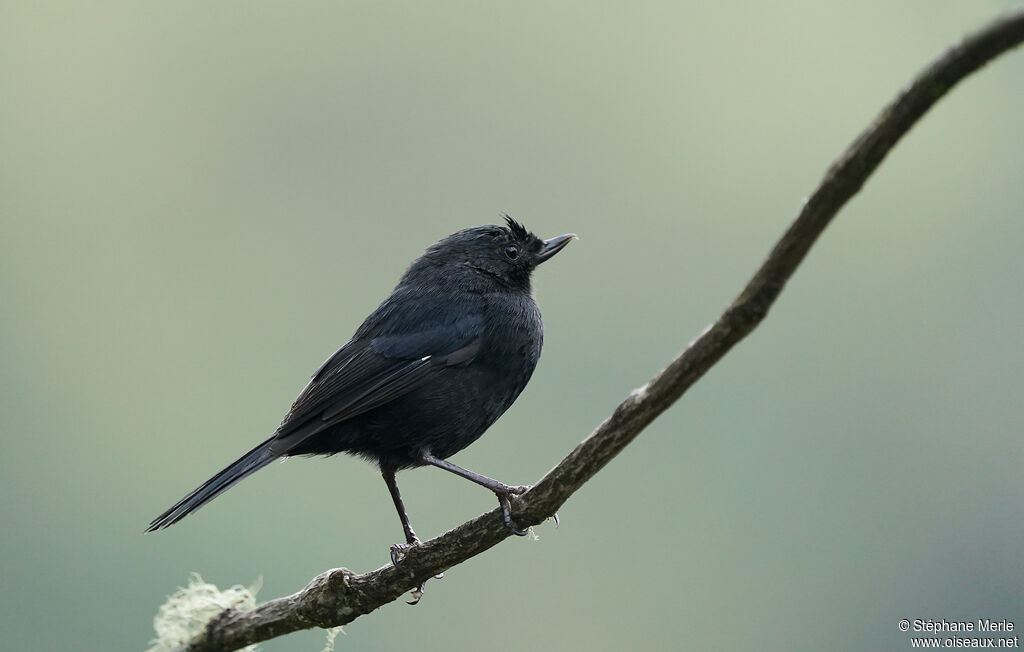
x=252 y=461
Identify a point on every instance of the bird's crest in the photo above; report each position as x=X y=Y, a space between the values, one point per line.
x=517 y=230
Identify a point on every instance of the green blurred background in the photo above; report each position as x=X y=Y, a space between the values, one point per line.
x=201 y=201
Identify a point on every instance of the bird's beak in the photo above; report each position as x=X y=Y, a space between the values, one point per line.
x=553 y=246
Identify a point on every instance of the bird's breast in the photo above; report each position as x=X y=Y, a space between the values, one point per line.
x=514 y=338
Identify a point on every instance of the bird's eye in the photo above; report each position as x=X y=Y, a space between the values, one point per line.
x=512 y=252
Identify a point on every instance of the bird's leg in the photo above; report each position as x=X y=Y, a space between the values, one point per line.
x=398 y=550
x=503 y=491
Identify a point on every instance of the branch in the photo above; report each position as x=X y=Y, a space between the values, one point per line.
x=339 y=596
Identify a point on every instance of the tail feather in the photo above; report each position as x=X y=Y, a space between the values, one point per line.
x=249 y=463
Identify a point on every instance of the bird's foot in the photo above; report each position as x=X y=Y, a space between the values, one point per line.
x=505 y=500
x=400 y=550
x=398 y=553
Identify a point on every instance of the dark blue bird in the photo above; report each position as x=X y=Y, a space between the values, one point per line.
x=425 y=375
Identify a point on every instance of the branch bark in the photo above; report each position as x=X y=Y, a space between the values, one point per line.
x=339 y=596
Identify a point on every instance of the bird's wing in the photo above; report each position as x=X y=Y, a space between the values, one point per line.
x=367 y=373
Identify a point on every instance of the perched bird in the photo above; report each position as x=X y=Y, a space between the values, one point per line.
x=425 y=375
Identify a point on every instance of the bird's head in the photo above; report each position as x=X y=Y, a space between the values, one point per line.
x=505 y=254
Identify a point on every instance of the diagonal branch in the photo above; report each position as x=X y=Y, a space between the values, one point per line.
x=339 y=596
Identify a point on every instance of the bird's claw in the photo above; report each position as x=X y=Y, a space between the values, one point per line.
x=506 y=511
x=400 y=550
x=417 y=594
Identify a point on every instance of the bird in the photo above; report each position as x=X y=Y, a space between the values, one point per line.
x=425 y=374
